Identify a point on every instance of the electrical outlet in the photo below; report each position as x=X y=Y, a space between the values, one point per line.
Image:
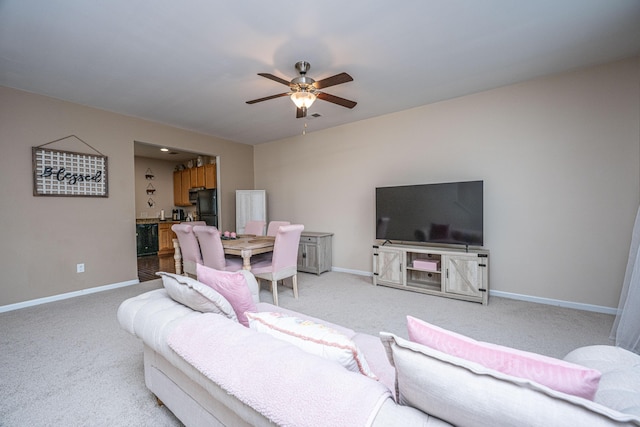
x=80 y=268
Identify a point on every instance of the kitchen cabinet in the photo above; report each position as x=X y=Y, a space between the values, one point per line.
x=181 y=186
x=314 y=252
x=180 y=196
x=165 y=238
x=198 y=177
x=177 y=188
x=198 y=173
x=209 y=176
x=193 y=177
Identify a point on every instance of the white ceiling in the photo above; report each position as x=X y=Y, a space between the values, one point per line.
x=194 y=63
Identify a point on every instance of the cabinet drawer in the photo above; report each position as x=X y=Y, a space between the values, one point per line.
x=308 y=239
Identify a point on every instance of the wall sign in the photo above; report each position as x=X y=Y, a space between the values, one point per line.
x=67 y=173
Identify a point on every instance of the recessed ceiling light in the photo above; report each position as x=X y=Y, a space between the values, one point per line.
x=164 y=149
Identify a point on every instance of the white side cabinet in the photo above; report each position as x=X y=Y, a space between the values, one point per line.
x=438 y=271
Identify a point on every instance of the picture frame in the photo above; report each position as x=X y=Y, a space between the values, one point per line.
x=69 y=174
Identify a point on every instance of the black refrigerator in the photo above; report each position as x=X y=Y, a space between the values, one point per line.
x=207 y=207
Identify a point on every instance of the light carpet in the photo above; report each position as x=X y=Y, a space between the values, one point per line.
x=69 y=362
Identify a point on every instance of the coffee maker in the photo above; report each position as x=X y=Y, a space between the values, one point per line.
x=178 y=215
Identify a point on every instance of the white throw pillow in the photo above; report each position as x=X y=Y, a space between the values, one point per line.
x=313 y=338
x=195 y=295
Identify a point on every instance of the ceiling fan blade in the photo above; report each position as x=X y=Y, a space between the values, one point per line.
x=301 y=113
x=333 y=80
x=336 y=100
x=274 y=78
x=266 y=98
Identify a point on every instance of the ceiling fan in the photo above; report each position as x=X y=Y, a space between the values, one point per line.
x=304 y=90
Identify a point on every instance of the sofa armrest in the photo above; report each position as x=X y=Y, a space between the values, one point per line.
x=619 y=386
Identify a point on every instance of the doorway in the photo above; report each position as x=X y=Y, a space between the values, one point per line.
x=154 y=200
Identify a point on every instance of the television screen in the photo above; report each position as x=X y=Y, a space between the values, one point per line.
x=447 y=213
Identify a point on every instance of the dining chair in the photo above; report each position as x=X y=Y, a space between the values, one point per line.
x=213 y=251
x=254 y=227
x=284 y=262
x=272 y=230
x=188 y=247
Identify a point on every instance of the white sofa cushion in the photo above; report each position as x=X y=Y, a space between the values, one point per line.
x=465 y=393
x=196 y=295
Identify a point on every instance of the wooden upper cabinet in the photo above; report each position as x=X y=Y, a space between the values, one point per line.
x=181 y=186
x=209 y=176
x=177 y=188
x=186 y=185
x=193 y=177
x=184 y=180
x=199 y=173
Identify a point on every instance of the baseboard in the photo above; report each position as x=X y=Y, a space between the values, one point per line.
x=356 y=272
x=509 y=295
x=38 y=301
x=556 y=302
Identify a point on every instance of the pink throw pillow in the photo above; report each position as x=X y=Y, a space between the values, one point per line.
x=232 y=286
x=554 y=373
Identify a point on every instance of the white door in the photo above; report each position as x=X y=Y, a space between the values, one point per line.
x=251 y=205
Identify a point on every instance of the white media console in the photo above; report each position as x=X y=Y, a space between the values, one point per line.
x=453 y=273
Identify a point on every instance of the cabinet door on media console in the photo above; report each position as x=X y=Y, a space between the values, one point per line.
x=388 y=265
x=466 y=275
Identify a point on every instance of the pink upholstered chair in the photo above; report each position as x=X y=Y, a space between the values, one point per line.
x=194 y=223
x=254 y=227
x=212 y=250
x=274 y=225
x=188 y=247
x=284 y=262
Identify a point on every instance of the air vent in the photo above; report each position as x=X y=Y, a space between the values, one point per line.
x=316 y=115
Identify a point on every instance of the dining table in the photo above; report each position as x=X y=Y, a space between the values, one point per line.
x=247 y=245
x=244 y=245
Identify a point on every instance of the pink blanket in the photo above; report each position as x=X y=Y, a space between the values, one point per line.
x=282 y=382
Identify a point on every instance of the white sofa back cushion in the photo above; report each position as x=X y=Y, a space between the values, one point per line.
x=465 y=393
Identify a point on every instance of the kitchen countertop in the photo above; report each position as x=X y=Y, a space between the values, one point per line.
x=154 y=221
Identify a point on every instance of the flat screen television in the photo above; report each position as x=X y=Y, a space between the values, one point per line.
x=446 y=213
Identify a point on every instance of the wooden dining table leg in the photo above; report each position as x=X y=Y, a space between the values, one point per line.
x=246 y=259
x=177 y=256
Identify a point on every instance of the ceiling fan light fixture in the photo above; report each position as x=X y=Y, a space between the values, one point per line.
x=303 y=99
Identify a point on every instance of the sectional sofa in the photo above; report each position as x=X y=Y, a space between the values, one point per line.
x=204 y=363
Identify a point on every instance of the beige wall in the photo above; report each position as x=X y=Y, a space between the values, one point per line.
x=45 y=237
x=162 y=182
x=560 y=159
